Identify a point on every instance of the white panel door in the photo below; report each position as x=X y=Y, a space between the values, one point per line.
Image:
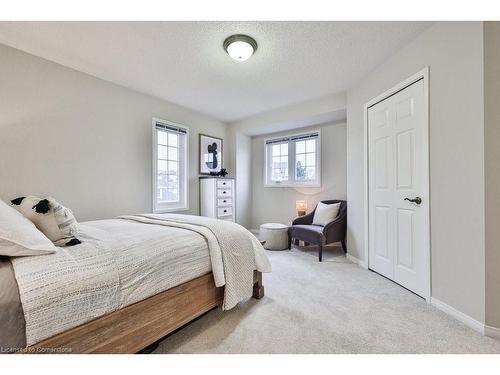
x=398 y=175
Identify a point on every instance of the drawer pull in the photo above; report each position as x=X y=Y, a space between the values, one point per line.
x=225 y=201
x=224 y=211
x=224 y=184
x=224 y=194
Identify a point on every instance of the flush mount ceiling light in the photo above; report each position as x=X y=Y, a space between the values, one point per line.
x=240 y=47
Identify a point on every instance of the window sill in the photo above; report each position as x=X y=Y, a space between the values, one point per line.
x=292 y=185
x=169 y=210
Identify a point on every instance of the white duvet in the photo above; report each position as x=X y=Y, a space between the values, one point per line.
x=125 y=260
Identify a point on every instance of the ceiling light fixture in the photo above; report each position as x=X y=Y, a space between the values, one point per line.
x=240 y=47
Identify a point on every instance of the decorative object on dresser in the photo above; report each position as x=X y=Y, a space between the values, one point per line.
x=274 y=236
x=303 y=228
x=210 y=154
x=217 y=198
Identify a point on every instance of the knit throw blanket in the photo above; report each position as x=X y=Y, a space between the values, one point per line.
x=234 y=252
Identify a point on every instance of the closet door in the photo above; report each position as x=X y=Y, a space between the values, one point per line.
x=398 y=173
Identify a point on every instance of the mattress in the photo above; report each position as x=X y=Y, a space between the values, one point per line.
x=163 y=257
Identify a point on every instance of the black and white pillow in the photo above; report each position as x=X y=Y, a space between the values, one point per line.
x=54 y=220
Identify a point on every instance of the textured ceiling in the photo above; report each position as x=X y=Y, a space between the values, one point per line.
x=184 y=62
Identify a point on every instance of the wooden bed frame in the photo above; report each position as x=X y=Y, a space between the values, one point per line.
x=141 y=324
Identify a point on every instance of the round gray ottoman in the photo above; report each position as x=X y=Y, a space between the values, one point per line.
x=275 y=235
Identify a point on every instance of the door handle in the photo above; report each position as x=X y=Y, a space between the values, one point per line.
x=416 y=200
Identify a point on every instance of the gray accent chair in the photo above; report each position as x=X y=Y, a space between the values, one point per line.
x=303 y=229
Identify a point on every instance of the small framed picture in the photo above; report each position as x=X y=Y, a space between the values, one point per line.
x=210 y=154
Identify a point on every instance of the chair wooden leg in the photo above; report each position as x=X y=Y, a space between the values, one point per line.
x=296 y=242
x=306 y=243
x=344 y=246
x=320 y=252
x=289 y=243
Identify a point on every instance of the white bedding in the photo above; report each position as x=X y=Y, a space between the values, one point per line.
x=240 y=251
x=123 y=261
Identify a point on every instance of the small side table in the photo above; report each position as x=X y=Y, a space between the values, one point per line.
x=274 y=236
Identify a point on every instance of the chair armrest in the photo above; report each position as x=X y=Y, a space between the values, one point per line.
x=304 y=220
x=335 y=230
x=332 y=224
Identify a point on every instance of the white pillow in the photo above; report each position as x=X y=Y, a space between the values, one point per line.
x=19 y=236
x=51 y=218
x=325 y=213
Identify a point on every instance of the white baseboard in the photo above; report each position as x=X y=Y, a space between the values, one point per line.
x=355 y=260
x=492 y=332
x=460 y=316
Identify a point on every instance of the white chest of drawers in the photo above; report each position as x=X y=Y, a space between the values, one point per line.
x=217 y=198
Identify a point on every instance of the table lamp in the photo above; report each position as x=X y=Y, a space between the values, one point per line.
x=301 y=207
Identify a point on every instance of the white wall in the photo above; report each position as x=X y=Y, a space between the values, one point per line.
x=238 y=162
x=454 y=52
x=243 y=144
x=82 y=140
x=322 y=110
x=492 y=170
x=277 y=204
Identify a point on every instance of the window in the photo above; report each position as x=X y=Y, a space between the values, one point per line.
x=279 y=162
x=170 y=150
x=294 y=160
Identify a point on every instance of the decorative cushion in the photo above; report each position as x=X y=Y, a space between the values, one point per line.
x=19 y=236
x=325 y=213
x=53 y=219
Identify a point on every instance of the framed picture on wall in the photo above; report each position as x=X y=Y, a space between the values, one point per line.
x=210 y=154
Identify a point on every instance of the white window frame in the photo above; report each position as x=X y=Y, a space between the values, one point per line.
x=183 y=204
x=292 y=178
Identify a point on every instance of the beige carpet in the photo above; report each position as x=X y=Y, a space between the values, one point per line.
x=329 y=307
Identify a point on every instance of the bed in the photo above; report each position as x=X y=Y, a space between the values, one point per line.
x=132 y=281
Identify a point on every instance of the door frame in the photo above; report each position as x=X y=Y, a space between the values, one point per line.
x=422 y=74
